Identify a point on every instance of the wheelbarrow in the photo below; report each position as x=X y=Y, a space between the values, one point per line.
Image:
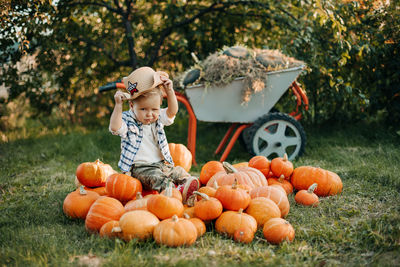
x=263 y=132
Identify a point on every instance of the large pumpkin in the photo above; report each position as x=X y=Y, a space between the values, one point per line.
x=232 y=197
x=244 y=175
x=278 y=195
x=78 y=202
x=175 y=232
x=209 y=169
x=230 y=221
x=103 y=210
x=329 y=183
x=138 y=224
x=93 y=174
x=263 y=209
x=277 y=230
x=122 y=187
x=181 y=156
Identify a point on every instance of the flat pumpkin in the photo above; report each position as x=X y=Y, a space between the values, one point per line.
x=175 y=232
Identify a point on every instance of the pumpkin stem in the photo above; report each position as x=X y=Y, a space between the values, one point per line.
x=139 y=195
x=168 y=190
x=228 y=167
x=175 y=218
x=235 y=184
x=285 y=157
x=281 y=178
x=186 y=216
x=204 y=196
x=82 y=190
x=240 y=211
x=116 y=229
x=312 y=188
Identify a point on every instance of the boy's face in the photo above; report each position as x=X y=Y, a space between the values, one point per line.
x=147 y=109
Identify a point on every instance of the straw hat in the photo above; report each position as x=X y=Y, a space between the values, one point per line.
x=141 y=80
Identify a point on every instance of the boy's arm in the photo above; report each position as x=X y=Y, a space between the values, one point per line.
x=171 y=97
x=116 y=116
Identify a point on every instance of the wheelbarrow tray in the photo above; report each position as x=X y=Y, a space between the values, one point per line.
x=224 y=103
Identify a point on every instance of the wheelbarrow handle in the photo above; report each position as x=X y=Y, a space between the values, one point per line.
x=111 y=86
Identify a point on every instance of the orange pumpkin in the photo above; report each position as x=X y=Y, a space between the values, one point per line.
x=282 y=166
x=232 y=197
x=175 y=232
x=240 y=164
x=263 y=209
x=277 y=230
x=244 y=175
x=181 y=156
x=286 y=185
x=329 y=183
x=103 y=210
x=77 y=203
x=208 y=208
x=108 y=229
x=208 y=190
x=138 y=224
x=243 y=235
x=307 y=197
x=175 y=193
x=275 y=194
x=261 y=163
x=209 y=169
x=230 y=221
x=101 y=190
x=93 y=174
x=122 y=187
x=199 y=224
x=165 y=206
x=140 y=203
x=188 y=210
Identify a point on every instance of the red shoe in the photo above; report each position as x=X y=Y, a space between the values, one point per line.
x=192 y=184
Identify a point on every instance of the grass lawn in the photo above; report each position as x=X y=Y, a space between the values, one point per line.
x=359 y=227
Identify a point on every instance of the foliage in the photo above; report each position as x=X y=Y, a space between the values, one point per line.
x=358 y=227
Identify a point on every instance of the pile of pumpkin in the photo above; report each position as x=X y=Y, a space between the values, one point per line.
x=238 y=199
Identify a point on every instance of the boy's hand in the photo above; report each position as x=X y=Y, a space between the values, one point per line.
x=119 y=97
x=168 y=85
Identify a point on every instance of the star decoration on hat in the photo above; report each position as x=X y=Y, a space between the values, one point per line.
x=132 y=88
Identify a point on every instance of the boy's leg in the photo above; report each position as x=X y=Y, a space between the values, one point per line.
x=186 y=183
x=151 y=175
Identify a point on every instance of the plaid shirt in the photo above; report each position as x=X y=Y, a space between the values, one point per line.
x=131 y=133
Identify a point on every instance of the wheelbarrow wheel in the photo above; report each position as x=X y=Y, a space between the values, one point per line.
x=275 y=134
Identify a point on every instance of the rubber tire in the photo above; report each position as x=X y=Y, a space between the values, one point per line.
x=250 y=133
x=191 y=76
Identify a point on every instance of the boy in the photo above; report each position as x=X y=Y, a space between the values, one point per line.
x=144 y=148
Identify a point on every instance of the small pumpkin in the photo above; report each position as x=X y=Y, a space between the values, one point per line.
x=101 y=190
x=276 y=194
x=107 y=230
x=286 y=185
x=199 y=224
x=208 y=190
x=209 y=169
x=77 y=203
x=329 y=183
x=122 y=187
x=307 y=197
x=164 y=205
x=263 y=209
x=261 y=163
x=230 y=221
x=243 y=235
x=208 y=208
x=175 y=193
x=244 y=175
x=232 y=197
x=175 y=232
x=138 y=224
x=181 y=156
x=277 y=230
x=139 y=203
x=103 y=210
x=282 y=166
x=93 y=174
x=240 y=164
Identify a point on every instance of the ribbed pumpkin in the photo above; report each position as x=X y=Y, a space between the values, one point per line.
x=282 y=166
x=199 y=224
x=138 y=224
x=165 y=206
x=122 y=187
x=244 y=175
x=307 y=197
x=277 y=230
x=263 y=209
x=329 y=183
x=93 y=174
x=103 y=210
x=175 y=193
x=232 y=197
x=275 y=194
x=209 y=169
x=139 y=203
x=261 y=163
x=208 y=208
x=243 y=235
x=230 y=221
x=101 y=190
x=107 y=230
x=77 y=203
x=208 y=190
x=181 y=156
x=286 y=185
x=175 y=232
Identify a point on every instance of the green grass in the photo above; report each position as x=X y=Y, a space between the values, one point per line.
x=359 y=227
